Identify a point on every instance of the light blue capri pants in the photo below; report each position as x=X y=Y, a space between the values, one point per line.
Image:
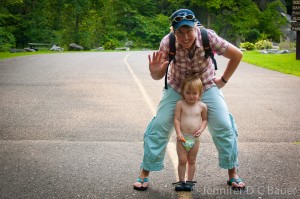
x=220 y=124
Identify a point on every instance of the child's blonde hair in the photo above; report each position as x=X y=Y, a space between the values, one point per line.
x=192 y=82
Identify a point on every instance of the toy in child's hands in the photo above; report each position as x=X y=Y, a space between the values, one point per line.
x=182 y=139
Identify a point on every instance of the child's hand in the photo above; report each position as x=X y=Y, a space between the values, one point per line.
x=180 y=138
x=197 y=134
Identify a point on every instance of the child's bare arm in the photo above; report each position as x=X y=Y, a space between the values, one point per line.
x=177 y=120
x=204 y=120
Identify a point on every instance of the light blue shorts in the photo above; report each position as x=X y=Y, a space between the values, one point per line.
x=220 y=124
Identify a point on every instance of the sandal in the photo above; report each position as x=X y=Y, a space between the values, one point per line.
x=179 y=186
x=189 y=185
x=142 y=187
x=184 y=186
x=237 y=181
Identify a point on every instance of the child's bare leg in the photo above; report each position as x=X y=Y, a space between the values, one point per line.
x=182 y=160
x=192 y=156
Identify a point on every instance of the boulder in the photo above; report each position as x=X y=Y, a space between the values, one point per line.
x=76 y=47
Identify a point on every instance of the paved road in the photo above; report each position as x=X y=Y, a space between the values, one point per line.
x=71 y=126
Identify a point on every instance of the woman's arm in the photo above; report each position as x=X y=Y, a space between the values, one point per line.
x=235 y=56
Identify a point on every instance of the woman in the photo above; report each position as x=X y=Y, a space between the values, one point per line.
x=190 y=60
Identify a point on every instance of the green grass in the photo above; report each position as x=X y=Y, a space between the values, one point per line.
x=284 y=63
x=4 y=55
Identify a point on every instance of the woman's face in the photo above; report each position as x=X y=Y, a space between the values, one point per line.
x=185 y=36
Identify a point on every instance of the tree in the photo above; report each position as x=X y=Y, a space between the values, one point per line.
x=9 y=21
x=94 y=23
x=238 y=19
x=271 y=20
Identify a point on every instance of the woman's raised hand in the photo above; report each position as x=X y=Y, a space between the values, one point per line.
x=157 y=65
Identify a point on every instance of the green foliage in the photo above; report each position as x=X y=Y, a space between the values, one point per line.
x=247 y=46
x=263 y=44
x=252 y=35
x=260 y=45
x=94 y=23
x=7 y=40
x=110 y=45
x=271 y=20
x=287 y=45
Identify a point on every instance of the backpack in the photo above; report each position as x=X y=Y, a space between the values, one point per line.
x=205 y=42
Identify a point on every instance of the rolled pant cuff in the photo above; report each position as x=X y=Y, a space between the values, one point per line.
x=228 y=166
x=152 y=167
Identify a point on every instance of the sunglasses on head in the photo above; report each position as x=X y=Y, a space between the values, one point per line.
x=180 y=18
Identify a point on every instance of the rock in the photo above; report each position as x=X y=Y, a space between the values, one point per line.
x=98 y=49
x=56 y=48
x=74 y=46
x=15 y=50
x=29 y=49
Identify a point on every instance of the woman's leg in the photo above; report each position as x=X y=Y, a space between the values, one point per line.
x=222 y=128
x=157 y=134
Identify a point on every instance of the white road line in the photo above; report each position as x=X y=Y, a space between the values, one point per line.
x=171 y=148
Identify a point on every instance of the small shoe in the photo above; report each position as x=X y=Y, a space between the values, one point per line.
x=237 y=181
x=189 y=185
x=179 y=186
x=141 y=186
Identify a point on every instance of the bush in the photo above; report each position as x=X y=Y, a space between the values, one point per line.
x=287 y=45
x=263 y=44
x=7 y=40
x=129 y=44
x=110 y=45
x=252 y=35
x=247 y=46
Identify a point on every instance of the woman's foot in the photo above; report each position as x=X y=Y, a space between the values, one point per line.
x=141 y=184
x=234 y=180
x=236 y=183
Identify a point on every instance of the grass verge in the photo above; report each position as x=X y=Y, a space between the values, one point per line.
x=4 y=55
x=285 y=63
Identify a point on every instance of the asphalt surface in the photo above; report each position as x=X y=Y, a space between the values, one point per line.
x=71 y=126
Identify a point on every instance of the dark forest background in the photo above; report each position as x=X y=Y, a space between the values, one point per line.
x=134 y=23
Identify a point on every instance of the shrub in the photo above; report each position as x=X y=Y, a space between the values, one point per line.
x=247 y=46
x=252 y=35
x=7 y=40
x=110 y=45
x=263 y=44
x=287 y=45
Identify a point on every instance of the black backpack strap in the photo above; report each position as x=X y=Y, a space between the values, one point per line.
x=172 y=52
x=207 y=49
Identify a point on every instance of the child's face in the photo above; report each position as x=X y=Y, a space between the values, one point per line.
x=191 y=95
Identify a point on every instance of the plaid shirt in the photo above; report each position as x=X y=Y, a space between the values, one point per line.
x=185 y=66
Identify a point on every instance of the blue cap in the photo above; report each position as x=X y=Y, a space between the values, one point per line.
x=184 y=21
